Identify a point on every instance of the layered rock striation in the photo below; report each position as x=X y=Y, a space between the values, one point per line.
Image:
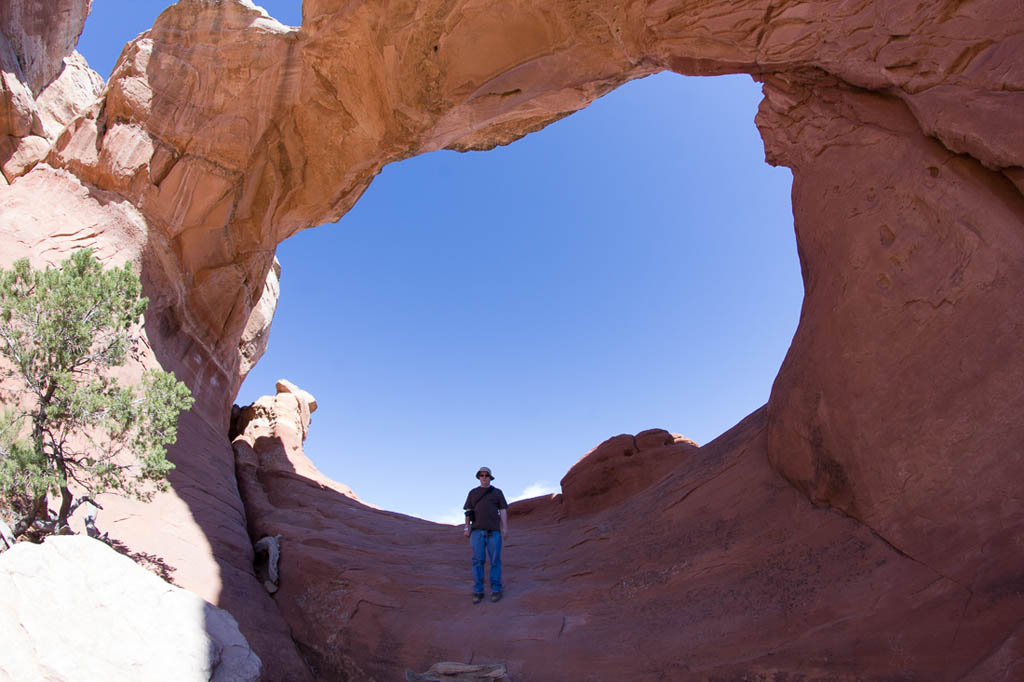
x=894 y=420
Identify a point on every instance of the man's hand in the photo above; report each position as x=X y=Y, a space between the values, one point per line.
x=465 y=531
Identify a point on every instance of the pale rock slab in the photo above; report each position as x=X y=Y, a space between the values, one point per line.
x=76 y=88
x=113 y=620
x=450 y=671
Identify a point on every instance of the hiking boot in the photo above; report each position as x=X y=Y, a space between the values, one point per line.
x=477 y=598
x=495 y=596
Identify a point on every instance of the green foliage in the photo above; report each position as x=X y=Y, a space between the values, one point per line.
x=68 y=423
x=22 y=467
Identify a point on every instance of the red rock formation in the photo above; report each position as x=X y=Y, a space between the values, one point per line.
x=899 y=398
x=44 y=83
x=223 y=132
x=621 y=467
x=715 y=568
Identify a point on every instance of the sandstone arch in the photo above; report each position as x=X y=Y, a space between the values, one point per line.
x=222 y=132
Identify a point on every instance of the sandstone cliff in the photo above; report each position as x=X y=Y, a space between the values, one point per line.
x=887 y=461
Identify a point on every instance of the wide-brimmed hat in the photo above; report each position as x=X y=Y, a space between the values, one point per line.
x=484 y=470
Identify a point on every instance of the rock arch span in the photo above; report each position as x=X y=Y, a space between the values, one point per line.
x=222 y=132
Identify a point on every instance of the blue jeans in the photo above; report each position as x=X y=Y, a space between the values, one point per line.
x=488 y=541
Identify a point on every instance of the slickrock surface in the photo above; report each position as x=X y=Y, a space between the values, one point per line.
x=74 y=609
x=715 y=568
x=895 y=419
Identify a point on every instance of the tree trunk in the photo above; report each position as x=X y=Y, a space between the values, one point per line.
x=65 y=495
x=26 y=521
x=6 y=537
x=65 y=507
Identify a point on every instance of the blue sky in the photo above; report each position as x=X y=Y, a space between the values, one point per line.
x=631 y=266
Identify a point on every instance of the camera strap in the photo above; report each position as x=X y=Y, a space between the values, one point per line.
x=483 y=495
x=471 y=512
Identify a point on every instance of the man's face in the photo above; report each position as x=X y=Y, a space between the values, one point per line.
x=485 y=480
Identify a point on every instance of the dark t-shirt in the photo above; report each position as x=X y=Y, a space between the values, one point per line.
x=486 y=507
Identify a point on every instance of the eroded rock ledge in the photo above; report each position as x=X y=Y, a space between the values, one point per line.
x=223 y=132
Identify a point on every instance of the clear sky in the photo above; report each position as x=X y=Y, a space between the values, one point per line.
x=631 y=266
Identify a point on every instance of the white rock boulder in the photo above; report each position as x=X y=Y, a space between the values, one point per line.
x=74 y=609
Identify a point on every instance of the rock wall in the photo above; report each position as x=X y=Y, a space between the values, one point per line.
x=223 y=132
x=44 y=83
x=898 y=401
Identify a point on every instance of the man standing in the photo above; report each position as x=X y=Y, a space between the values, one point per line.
x=486 y=526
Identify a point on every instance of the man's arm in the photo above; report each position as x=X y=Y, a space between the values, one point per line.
x=503 y=515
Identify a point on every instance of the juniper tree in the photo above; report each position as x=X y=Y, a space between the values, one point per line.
x=68 y=424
